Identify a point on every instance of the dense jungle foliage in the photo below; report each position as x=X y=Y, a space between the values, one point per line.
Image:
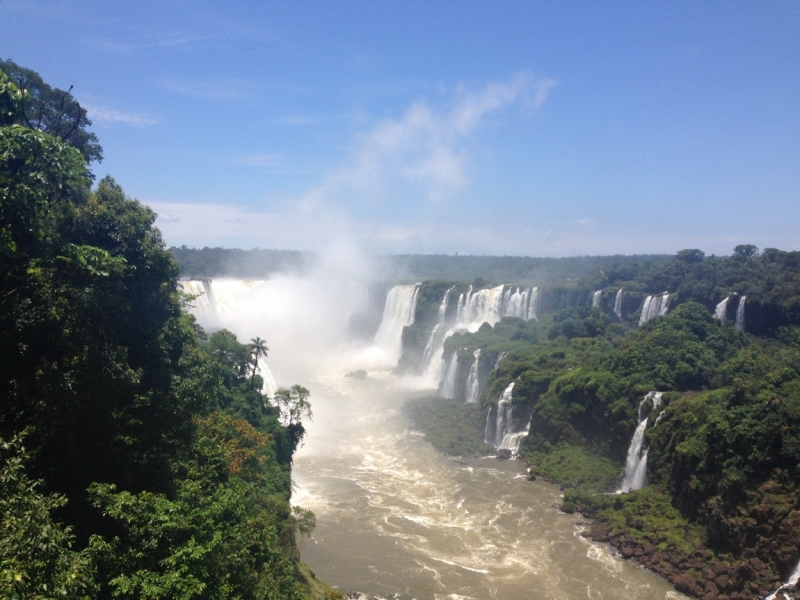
x=721 y=516
x=138 y=456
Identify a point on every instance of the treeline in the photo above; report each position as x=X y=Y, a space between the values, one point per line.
x=521 y=270
x=518 y=270
x=243 y=264
x=138 y=456
x=721 y=516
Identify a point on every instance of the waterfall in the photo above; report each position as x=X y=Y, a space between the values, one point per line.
x=203 y=303
x=473 y=381
x=270 y=387
x=220 y=301
x=654 y=306
x=793 y=580
x=596 y=298
x=522 y=303
x=720 y=312
x=401 y=303
x=488 y=430
x=490 y=305
x=740 y=315
x=636 y=464
x=503 y=419
x=512 y=441
x=217 y=302
x=448 y=387
x=618 y=304
x=483 y=306
x=500 y=358
x=432 y=357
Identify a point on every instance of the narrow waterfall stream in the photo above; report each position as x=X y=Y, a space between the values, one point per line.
x=636 y=464
x=473 y=379
x=618 y=304
x=740 y=314
x=721 y=310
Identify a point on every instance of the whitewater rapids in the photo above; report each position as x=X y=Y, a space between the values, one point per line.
x=396 y=517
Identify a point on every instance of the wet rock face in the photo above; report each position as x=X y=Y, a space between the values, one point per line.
x=504 y=454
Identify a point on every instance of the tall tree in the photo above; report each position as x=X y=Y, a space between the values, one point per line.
x=258 y=348
x=53 y=111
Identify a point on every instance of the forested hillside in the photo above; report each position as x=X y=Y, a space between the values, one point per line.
x=256 y=263
x=138 y=456
x=721 y=514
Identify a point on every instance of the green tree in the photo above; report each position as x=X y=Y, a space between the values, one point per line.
x=257 y=348
x=53 y=111
x=37 y=171
x=294 y=404
x=746 y=250
x=691 y=256
x=36 y=556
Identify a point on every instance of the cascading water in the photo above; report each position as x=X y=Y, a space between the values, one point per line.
x=618 y=304
x=432 y=357
x=448 y=386
x=596 y=298
x=793 y=580
x=473 y=381
x=482 y=306
x=270 y=387
x=437 y=329
x=500 y=358
x=512 y=441
x=491 y=305
x=740 y=315
x=636 y=464
x=654 y=306
x=203 y=308
x=401 y=304
x=495 y=432
x=522 y=303
x=216 y=301
x=473 y=309
x=720 y=312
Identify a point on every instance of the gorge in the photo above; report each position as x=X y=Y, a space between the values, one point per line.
x=526 y=358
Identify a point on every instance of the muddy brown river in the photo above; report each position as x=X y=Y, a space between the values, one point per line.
x=394 y=516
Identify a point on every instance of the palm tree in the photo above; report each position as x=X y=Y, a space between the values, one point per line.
x=258 y=348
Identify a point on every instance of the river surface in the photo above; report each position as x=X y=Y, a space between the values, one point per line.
x=394 y=516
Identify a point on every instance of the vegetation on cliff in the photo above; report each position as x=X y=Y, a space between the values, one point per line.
x=138 y=456
x=722 y=514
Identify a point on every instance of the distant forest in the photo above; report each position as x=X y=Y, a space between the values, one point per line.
x=257 y=263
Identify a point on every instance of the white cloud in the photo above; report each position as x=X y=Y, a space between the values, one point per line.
x=424 y=153
x=104 y=114
x=425 y=148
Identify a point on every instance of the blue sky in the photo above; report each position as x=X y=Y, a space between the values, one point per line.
x=544 y=129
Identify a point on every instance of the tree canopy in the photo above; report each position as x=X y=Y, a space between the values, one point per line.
x=53 y=111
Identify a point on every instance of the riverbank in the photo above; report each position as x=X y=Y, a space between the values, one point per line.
x=642 y=526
